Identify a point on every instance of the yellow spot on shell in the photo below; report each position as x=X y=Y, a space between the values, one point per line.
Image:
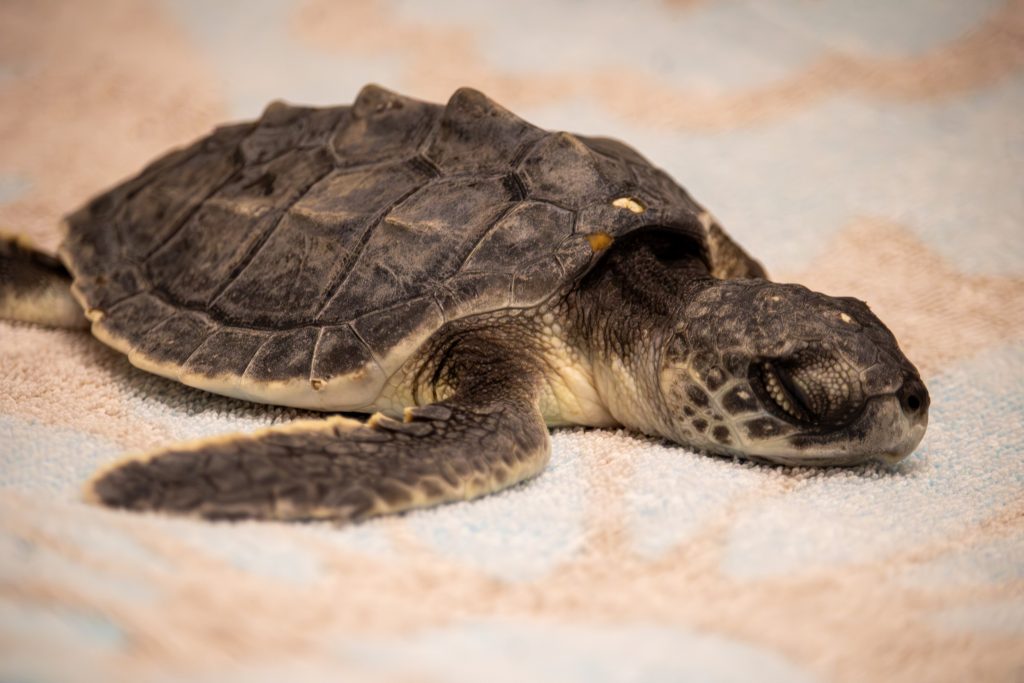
x=19 y=239
x=846 y=318
x=628 y=203
x=600 y=241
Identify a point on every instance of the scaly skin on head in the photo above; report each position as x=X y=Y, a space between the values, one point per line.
x=743 y=367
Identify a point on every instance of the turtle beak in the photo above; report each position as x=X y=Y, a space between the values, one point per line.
x=909 y=410
x=914 y=401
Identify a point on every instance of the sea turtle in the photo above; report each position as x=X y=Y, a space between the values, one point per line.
x=471 y=279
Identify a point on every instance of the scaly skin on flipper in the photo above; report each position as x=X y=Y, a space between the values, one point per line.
x=34 y=287
x=487 y=436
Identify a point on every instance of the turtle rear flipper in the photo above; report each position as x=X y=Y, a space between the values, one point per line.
x=340 y=469
x=35 y=287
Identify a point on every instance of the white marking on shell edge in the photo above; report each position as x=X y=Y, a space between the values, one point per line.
x=628 y=203
x=845 y=318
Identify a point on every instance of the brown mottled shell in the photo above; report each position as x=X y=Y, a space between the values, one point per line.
x=301 y=259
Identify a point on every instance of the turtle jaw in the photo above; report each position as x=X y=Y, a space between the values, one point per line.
x=805 y=401
x=884 y=428
x=779 y=395
x=883 y=432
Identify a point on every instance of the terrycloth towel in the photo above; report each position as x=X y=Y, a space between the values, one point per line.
x=873 y=149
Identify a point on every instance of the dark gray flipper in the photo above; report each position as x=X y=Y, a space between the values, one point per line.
x=488 y=436
x=35 y=287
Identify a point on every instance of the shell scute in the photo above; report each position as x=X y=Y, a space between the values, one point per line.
x=314 y=245
x=146 y=218
x=226 y=352
x=107 y=288
x=283 y=128
x=340 y=352
x=174 y=340
x=230 y=226
x=534 y=283
x=606 y=217
x=474 y=292
x=130 y=320
x=421 y=242
x=383 y=126
x=512 y=239
x=287 y=279
x=394 y=333
x=477 y=135
x=283 y=356
x=575 y=253
x=343 y=203
x=563 y=170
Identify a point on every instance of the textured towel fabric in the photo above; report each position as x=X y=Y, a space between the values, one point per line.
x=873 y=149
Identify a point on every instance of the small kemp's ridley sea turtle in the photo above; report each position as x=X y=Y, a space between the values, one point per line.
x=474 y=279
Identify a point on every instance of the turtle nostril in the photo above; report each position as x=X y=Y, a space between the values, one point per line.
x=913 y=396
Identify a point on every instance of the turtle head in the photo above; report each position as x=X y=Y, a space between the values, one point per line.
x=780 y=373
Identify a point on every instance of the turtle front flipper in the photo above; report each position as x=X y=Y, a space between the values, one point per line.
x=339 y=469
x=35 y=287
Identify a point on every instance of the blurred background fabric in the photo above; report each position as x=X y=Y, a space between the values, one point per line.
x=866 y=148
